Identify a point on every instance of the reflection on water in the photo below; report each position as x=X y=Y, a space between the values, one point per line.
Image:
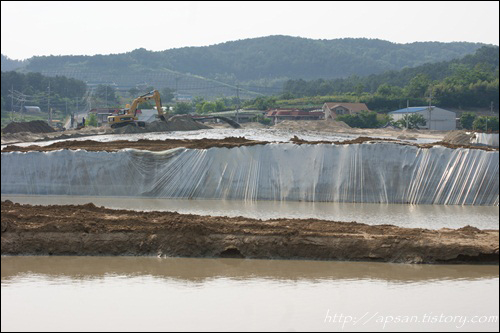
x=199 y=270
x=415 y=216
x=181 y=294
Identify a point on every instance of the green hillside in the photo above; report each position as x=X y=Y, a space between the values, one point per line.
x=258 y=65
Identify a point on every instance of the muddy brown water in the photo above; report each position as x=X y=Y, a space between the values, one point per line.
x=183 y=294
x=180 y=294
x=410 y=216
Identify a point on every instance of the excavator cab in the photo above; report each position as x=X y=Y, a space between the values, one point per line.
x=129 y=117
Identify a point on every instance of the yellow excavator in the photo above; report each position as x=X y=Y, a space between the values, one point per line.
x=129 y=116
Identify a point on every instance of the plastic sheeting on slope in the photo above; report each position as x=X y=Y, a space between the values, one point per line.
x=485 y=139
x=375 y=173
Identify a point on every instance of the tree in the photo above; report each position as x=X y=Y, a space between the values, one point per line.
x=412 y=121
x=133 y=92
x=485 y=124
x=167 y=94
x=264 y=103
x=91 y=120
x=359 y=89
x=467 y=119
x=208 y=107
x=107 y=93
x=364 y=119
x=219 y=105
x=418 y=86
x=287 y=95
x=384 y=119
x=263 y=120
x=182 y=108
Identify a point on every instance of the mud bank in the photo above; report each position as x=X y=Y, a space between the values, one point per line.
x=230 y=142
x=90 y=230
x=142 y=144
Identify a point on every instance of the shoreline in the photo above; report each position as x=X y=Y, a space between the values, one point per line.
x=88 y=230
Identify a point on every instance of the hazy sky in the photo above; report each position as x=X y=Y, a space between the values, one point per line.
x=88 y=28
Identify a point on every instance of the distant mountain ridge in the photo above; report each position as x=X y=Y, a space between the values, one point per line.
x=256 y=61
x=8 y=64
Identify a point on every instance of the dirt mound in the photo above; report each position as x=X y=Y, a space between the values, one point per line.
x=90 y=230
x=151 y=145
x=406 y=137
x=459 y=137
x=312 y=125
x=175 y=123
x=35 y=126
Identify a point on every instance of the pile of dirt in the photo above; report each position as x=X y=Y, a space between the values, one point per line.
x=151 y=145
x=68 y=134
x=406 y=137
x=175 y=123
x=90 y=230
x=35 y=126
x=459 y=137
x=312 y=125
x=359 y=140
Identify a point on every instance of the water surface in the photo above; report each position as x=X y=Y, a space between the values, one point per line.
x=414 y=216
x=180 y=294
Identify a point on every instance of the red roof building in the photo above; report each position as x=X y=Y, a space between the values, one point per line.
x=333 y=110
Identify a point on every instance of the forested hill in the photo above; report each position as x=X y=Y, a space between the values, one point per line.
x=483 y=66
x=266 y=58
x=10 y=64
x=283 y=56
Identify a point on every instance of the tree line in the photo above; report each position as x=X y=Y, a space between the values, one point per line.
x=267 y=58
x=35 y=89
x=472 y=81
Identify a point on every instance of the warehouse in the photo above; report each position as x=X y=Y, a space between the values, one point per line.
x=437 y=119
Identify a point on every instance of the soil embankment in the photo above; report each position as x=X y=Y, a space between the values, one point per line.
x=90 y=230
x=35 y=126
x=37 y=131
x=230 y=142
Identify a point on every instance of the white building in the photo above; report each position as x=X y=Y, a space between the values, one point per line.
x=437 y=119
x=147 y=115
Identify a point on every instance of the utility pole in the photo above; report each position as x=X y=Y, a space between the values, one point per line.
x=12 y=103
x=238 y=104
x=430 y=109
x=48 y=106
x=12 y=98
x=176 y=89
x=407 y=112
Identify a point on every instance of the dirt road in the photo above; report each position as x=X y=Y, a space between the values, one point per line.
x=90 y=230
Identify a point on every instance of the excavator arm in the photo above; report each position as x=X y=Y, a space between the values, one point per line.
x=130 y=117
x=150 y=95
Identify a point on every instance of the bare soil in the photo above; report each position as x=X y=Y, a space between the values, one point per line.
x=230 y=142
x=35 y=126
x=90 y=230
x=36 y=132
x=329 y=127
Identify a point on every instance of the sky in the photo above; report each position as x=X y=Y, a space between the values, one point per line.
x=36 y=28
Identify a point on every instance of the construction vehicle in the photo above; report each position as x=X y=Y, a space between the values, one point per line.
x=129 y=115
